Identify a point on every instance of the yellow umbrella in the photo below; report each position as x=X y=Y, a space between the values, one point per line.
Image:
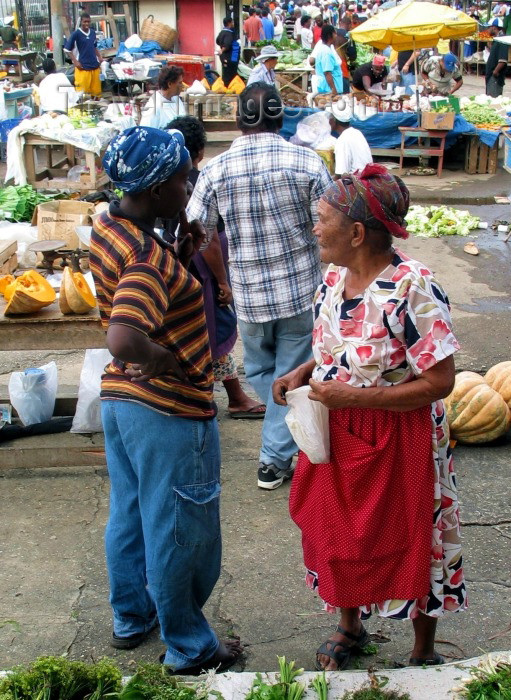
x=414 y=25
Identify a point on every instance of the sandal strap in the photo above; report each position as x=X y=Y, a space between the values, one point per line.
x=358 y=638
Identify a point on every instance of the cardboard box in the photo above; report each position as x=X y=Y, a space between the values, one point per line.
x=57 y=221
x=443 y=121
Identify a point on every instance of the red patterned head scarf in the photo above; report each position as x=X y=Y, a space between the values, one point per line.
x=372 y=196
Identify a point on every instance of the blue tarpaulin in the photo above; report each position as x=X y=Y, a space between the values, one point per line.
x=382 y=130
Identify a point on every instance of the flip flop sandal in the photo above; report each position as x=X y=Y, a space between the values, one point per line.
x=251 y=413
x=341 y=652
x=437 y=660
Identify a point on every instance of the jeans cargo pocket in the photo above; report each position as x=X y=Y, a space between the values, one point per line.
x=197 y=514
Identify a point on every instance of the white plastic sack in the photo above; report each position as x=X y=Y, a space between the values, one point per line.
x=87 y=418
x=196 y=88
x=33 y=392
x=308 y=424
x=312 y=130
x=133 y=42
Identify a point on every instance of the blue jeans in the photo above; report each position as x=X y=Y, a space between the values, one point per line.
x=408 y=79
x=270 y=350
x=163 y=542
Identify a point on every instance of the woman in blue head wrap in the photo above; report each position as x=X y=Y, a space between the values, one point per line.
x=163 y=542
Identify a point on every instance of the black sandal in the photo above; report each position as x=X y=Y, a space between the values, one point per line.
x=341 y=652
x=437 y=660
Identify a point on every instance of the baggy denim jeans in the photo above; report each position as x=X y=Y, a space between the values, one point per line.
x=270 y=350
x=163 y=542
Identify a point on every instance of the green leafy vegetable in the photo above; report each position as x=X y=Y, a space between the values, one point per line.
x=320 y=685
x=433 y=222
x=286 y=689
x=482 y=114
x=491 y=680
x=17 y=203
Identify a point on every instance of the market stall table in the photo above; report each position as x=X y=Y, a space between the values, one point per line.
x=55 y=174
x=49 y=329
x=384 y=137
x=294 y=82
x=423 y=149
x=21 y=57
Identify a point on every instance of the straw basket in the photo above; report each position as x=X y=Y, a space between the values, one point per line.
x=152 y=30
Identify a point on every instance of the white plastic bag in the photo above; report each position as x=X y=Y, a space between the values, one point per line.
x=308 y=424
x=196 y=88
x=87 y=418
x=33 y=392
x=133 y=42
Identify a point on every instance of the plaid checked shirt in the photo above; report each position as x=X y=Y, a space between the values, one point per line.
x=267 y=192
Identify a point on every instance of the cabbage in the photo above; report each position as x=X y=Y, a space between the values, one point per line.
x=433 y=222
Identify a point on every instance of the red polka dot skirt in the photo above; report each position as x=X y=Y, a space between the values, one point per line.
x=366 y=516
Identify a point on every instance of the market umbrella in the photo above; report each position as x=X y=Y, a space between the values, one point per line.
x=414 y=25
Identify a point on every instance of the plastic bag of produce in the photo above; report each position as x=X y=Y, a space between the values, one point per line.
x=87 y=418
x=32 y=393
x=312 y=131
x=308 y=424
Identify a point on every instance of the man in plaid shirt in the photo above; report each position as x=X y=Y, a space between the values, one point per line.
x=267 y=191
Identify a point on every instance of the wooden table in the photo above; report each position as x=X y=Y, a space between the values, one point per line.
x=294 y=82
x=424 y=147
x=55 y=173
x=49 y=329
x=21 y=57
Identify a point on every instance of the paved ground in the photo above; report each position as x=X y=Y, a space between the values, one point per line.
x=53 y=589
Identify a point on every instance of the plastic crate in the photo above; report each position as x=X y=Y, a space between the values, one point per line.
x=5 y=127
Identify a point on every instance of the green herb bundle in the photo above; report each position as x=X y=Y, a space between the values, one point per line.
x=17 y=202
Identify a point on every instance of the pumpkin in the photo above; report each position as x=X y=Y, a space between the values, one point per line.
x=4 y=282
x=75 y=296
x=499 y=378
x=29 y=293
x=476 y=412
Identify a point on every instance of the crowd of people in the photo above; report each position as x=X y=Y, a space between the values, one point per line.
x=323 y=28
x=356 y=335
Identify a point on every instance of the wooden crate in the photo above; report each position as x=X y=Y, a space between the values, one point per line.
x=480 y=159
x=8 y=257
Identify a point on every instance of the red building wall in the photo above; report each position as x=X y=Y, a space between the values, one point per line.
x=195 y=27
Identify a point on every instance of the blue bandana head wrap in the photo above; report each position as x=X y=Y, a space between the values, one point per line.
x=142 y=156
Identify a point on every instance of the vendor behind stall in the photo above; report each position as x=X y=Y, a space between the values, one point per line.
x=165 y=105
x=441 y=75
x=265 y=71
x=369 y=77
x=8 y=34
x=81 y=47
x=56 y=93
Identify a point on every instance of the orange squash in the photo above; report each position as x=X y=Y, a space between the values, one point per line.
x=476 y=412
x=4 y=282
x=28 y=293
x=75 y=296
x=499 y=378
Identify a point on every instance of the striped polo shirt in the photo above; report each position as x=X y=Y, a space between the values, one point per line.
x=141 y=284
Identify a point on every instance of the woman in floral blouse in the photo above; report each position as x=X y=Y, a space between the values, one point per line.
x=380 y=522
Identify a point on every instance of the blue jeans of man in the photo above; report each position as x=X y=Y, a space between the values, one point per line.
x=408 y=79
x=271 y=349
x=163 y=542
